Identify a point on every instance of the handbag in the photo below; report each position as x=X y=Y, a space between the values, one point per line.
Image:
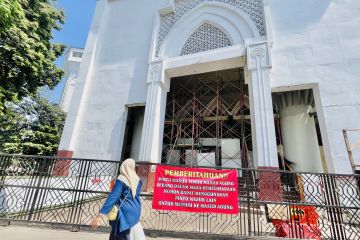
x=111 y=216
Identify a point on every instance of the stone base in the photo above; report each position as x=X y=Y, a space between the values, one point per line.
x=62 y=165
x=147 y=177
x=270 y=185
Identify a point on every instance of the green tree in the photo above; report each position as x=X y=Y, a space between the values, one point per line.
x=27 y=54
x=10 y=12
x=34 y=128
x=17 y=117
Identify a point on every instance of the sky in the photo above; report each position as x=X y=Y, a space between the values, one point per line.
x=73 y=34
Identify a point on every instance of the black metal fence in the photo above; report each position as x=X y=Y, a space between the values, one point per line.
x=71 y=191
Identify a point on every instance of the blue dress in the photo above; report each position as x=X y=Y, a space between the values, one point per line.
x=129 y=213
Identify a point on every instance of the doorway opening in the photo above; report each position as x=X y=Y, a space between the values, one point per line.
x=298 y=134
x=207 y=120
x=133 y=131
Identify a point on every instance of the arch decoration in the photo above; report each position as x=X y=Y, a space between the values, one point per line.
x=252 y=8
x=206 y=37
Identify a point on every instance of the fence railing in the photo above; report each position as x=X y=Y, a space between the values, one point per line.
x=71 y=191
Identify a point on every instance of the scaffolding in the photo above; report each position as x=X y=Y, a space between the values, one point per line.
x=207 y=121
x=352 y=147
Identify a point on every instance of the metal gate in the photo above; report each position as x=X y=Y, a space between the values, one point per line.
x=71 y=191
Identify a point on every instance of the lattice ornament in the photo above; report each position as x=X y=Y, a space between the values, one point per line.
x=206 y=37
x=253 y=8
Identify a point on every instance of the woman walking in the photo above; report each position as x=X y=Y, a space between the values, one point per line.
x=126 y=195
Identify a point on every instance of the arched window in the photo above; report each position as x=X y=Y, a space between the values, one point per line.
x=206 y=37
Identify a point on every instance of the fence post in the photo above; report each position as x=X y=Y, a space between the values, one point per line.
x=38 y=186
x=5 y=162
x=335 y=212
x=248 y=200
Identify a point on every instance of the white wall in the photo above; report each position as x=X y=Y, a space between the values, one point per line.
x=314 y=42
x=113 y=74
x=319 y=42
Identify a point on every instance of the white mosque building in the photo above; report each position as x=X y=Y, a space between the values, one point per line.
x=235 y=83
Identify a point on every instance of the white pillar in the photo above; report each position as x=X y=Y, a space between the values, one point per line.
x=153 y=128
x=74 y=117
x=299 y=138
x=301 y=147
x=262 y=117
x=68 y=92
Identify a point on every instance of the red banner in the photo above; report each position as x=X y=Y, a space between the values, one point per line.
x=196 y=190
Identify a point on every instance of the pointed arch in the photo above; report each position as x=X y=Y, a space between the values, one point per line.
x=232 y=21
x=206 y=37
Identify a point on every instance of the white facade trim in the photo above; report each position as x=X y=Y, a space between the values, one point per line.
x=268 y=22
x=234 y=22
x=262 y=118
x=154 y=38
x=214 y=60
x=323 y=129
x=154 y=118
x=74 y=116
x=170 y=8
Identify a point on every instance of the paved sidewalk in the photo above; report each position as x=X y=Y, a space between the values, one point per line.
x=28 y=233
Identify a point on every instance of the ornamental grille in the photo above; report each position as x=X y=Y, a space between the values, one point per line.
x=206 y=37
x=70 y=192
x=252 y=8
